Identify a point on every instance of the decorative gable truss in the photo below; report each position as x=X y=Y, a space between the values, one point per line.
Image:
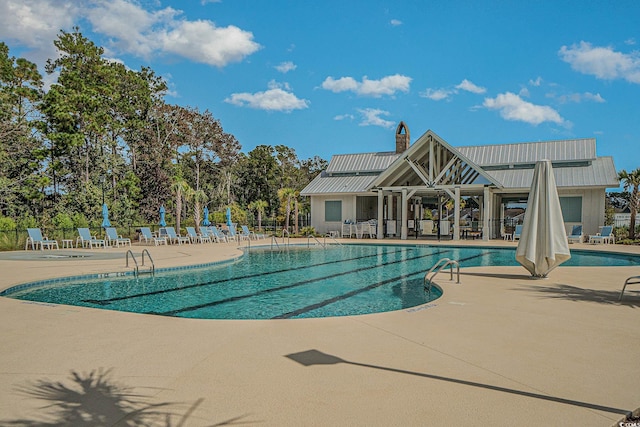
x=431 y=163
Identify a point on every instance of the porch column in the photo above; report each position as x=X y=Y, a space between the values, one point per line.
x=389 y=209
x=380 y=230
x=485 y=215
x=456 y=215
x=403 y=227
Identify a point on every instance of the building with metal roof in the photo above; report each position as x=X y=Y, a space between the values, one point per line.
x=398 y=190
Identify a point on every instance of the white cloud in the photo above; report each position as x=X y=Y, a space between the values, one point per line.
x=36 y=23
x=447 y=93
x=579 y=97
x=130 y=29
x=630 y=42
x=371 y=117
x=437 y=94
x=388 y=85
x=524 y=92
x=344 y=117
x=396 y=22
x=202 y=41
x=537 y=82
x=602 y=62
x=514 y=108
x=470 y=87
x=285 y=67
x=342 y=84
x=278 y=98
x=128 y=25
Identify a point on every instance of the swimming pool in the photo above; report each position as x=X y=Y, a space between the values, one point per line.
x=296 y=283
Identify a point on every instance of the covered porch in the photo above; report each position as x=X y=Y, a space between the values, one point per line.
x=432 y=175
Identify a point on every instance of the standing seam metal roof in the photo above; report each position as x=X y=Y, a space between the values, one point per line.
x=324 y=184
x=364 y=162
x=599 y=171
x=530 y=152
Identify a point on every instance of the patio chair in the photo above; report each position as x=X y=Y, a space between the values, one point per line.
x=114 y=237
x=246 y=232
x=517 y=232
x=36 y=239
x=373 y=228
x=147 y=235
x=234 y=235
x=503 y=232
x=207 y=234
x=218 y=235
x=175 y=237
x=197 y=237
x=604 y=236
x=85 y=239
x=576 y=234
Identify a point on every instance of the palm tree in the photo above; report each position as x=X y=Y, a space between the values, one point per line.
x=296 y=196
x=180 y=190
x=199 y=197
x=631 y=180
x=286 y=196
x=259 y=206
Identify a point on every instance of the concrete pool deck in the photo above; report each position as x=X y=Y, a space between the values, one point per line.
x=499 y=349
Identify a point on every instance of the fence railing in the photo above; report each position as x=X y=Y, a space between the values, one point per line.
x=15 y=239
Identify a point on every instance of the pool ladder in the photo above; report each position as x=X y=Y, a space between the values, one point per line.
x=437 y=268
x=136 y=269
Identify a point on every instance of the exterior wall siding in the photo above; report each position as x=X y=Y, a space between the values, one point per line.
x=593 y=201
x=317 y=212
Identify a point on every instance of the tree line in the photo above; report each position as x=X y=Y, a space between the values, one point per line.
x=103 y=133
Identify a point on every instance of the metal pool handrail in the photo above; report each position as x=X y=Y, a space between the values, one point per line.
x=136 y=269
x=437 y=268
x=310 y=236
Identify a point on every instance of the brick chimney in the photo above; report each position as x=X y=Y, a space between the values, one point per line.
x=403 y=138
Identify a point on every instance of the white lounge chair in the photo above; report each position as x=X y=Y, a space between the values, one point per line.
x=576 y=234
x=246 y=232
x=218 y=235
x=36 y=239
x=175 y=237
x=234 y=235
x=604 y=236
x=195 y=237
x=147 y=236
x=114 y=237
x=85 y=239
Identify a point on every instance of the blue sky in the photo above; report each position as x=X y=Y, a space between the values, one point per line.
x=336 y=77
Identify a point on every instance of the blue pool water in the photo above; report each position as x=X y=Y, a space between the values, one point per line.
x=297 y=283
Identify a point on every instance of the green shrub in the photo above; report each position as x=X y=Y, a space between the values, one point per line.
x=628 y=242
x=79 y=220
x=7 y=223
x=63 y=220
x=27 y=221
x=238 y=215
x=308 y=231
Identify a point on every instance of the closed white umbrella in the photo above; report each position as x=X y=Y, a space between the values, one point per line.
x=543 y=243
